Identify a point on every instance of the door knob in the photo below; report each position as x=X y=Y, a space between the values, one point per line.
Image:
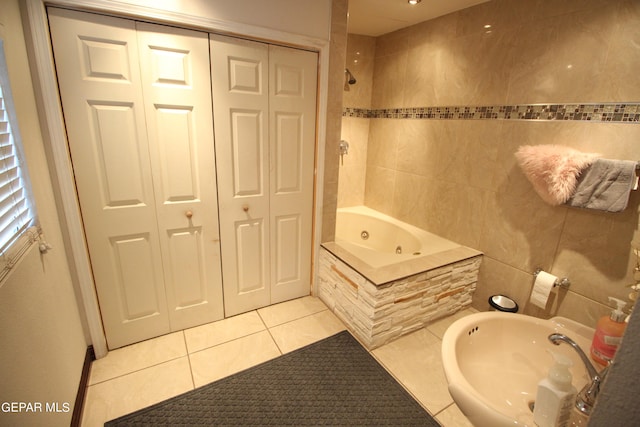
x=188 y=214
x=245 y=208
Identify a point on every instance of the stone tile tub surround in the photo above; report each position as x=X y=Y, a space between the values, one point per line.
x=487 y=203
x=380 y=313
x=382 y=295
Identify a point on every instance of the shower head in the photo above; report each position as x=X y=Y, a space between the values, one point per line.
x=350 y=79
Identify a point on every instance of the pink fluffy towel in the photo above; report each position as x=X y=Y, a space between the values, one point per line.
x=553 y=170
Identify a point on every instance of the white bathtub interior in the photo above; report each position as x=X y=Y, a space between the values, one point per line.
x=381 y=294
x=381 y=240
x=376 y=259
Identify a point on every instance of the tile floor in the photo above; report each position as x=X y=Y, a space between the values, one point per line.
x=142 y=374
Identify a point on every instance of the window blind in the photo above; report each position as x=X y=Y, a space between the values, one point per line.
x=17 y=213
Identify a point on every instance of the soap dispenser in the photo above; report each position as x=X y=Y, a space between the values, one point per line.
x=609 y=331
x=556 y=395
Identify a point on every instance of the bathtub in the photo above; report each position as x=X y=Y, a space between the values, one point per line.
x=384 y=278
x=384 y=249
x=380 y=240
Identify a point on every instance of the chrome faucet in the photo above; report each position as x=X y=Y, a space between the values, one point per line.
x=586 y=398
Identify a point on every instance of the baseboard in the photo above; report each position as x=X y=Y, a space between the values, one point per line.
x=89 y=357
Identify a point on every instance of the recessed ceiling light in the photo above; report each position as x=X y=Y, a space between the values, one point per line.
x=413 y=2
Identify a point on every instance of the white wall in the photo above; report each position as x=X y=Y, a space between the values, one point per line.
x=301 y=22
x=301 y=17
x=41 y=338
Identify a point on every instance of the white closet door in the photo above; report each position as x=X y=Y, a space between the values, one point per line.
x=137 y=106
x=292 y=111
x=264 y=116
x=177 y=94
x=239 y=71
x=99 y=78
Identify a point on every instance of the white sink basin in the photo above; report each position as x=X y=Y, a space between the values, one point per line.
x=493 y=362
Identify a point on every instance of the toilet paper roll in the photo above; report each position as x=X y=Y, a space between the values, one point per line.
x=542 y=288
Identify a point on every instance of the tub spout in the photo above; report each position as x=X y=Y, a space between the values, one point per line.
x=586 y=398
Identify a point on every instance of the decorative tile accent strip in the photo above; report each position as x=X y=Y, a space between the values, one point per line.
x=606 y=112
x=380 y=314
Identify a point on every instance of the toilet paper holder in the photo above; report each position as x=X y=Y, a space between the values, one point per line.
x=562 y=283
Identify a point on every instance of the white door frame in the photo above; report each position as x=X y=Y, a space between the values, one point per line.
x=52 y=123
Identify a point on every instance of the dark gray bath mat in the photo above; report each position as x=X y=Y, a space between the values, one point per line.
x=333 y=382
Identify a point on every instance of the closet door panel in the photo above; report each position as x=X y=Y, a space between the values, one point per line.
x=250 y=237
x=175 y=150
x=135 y=255
x=97 y=63
x=288 y=231
x=288 y=153
x=188 y=266
x=292 y=120
x=177 y=92
x=117 y=154
x=245 y=72
x=239 y=71
x=105 y=59
x=248 y=152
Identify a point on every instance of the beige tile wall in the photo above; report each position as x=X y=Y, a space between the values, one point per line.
x=360 y=61
x=338 y=48
x=458 y=178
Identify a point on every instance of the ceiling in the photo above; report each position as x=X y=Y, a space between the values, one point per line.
x=378 y=17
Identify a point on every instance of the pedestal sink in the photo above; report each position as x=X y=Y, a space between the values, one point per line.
x=493 y=362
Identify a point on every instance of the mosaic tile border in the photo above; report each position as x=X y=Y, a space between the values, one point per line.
x=605 y=112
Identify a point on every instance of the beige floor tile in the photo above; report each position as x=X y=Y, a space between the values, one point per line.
x=298 y=333
x=226 y=330
x=453 y=417
x=138 y=356
x=439 y=327
x=291 y=310
x=129 y=393
x=225 y=359
x=415 y=361
x=231 y=345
